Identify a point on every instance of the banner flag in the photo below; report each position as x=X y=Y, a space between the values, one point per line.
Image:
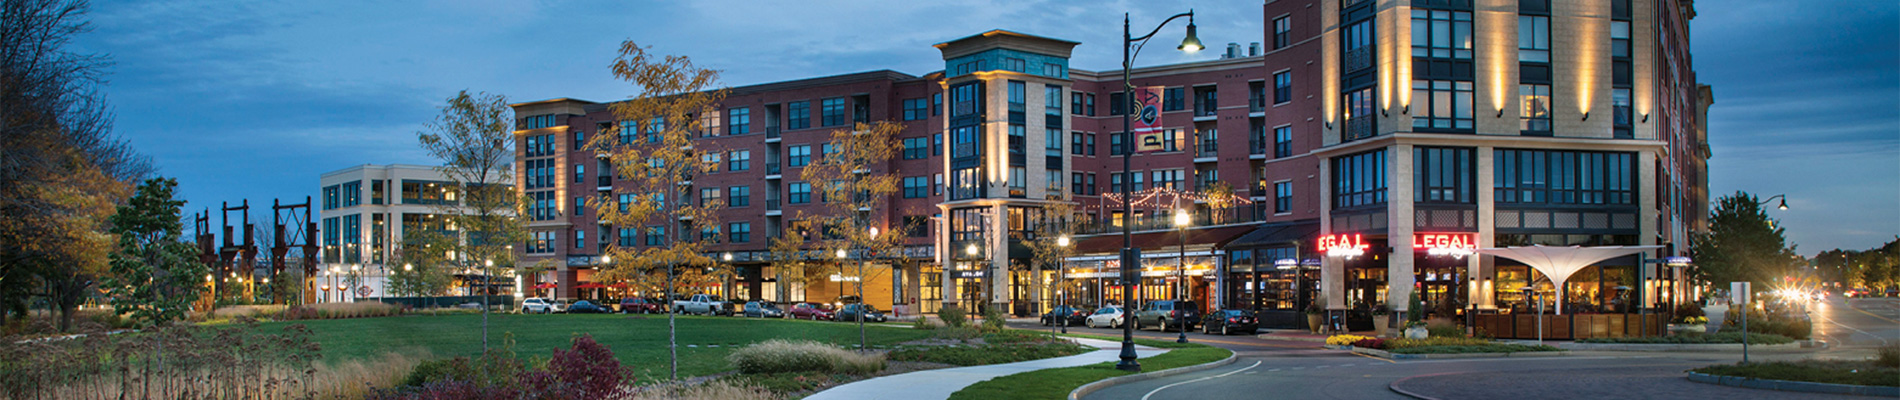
x=1147 y=126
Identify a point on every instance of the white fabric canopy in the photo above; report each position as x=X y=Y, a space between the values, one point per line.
x=1559 y=263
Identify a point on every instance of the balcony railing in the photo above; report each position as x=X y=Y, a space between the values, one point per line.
x=771 y=131
x=605 y=180
x=1257 y=145
x=771 y=168
x=771 y=204
x=1204 y=110
x=1258 y=191
x=1257 y=102
x=1208 y=148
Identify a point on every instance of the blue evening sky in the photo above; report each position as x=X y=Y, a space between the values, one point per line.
x=254 y=100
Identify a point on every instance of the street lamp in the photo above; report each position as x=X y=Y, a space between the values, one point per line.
x=1783 y=205
x=1181 y=222
x=1062 y=277
x=1130 y=259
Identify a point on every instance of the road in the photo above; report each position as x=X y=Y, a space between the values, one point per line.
x=1282 y=369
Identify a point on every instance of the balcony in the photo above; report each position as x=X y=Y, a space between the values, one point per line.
x=605 y=181
x=772 y=204
x=1257 y=102
x=1207 y=149
x=1258 y=191
x=771 y=169
x=1257 y=146
x=771 y=132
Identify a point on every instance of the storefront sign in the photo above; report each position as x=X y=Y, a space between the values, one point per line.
x=1445 y=244
x=969 y=274
x=1343 y=245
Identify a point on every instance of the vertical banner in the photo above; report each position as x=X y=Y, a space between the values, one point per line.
x=1147 y=109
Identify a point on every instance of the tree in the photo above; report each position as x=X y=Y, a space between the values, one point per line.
x=1743 y=244
x=423 y=270
x=1876 y=268
x=671 y=96
x=1052 y=242
x=155 y=271
x=474 y=138
x=853 y=181
x=61 y=170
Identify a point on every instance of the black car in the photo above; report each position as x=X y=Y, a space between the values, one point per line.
x=850 y=313
x=1168 y=314
x=1076 y=316
x=586 y=307
x=1229 y=322
x=763 y=309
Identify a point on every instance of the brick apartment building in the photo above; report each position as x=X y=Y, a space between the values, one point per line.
x=1400 y=125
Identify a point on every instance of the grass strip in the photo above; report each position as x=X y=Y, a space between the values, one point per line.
x=1056 y=383
x=1841 y=372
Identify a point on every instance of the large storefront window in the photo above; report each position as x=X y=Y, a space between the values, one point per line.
x=1564 y=177
x=1594 y=289
x=1359 y=179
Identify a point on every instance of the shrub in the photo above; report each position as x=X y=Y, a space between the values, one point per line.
x=1372 y=343
x=923 y=323
x=955 y=333
x=713 y=390
x=1402 y=343
x=779 y=355
x=1889 y=356
x=994 y=320
x=1770 y=322
x=586 y=371
x=987 y=354
x=1444 y=327
x=1344 y=340
x=953 y=316
x=1686 y=310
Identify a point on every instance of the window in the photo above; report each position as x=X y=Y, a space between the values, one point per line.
x=1091 y=104
x=1282 y=87
x=916 y=226
x=1171 y=99
x=833 y=111
x=1018 y=178
x=916 y=187
x=1359 y=179
x=625 y=201
x=1620 y=39
x=1167 y=178
x=1075 y=104
x=799 y=155
x=1620 y=103
x=936 y=187
x=1075 y=183
x=1283 y=142
x=580 y=206
x=580 y=173
x=1052 y=100
x=580 y=239
x=708 y=196
x=1054 y=176
x=739 y=232
x=1533 y=38
x=1359 y=113
x=1442 y=104
x=739 y=196
x=1444 y=175
x=1564 y=177
x=542 y=243
x=330 y=196
x=1052 y=142
x=963 y=99
x=580 y=140
x=1091 y=144
x=1016 y=95
x=739 y=160
x=711 y=160
x=709 y=124
x=627 y=237
x=1357 y=40
x=915 y=109
x=936 y=144
x=1115 y=144
x=628 y=131
x=739 y=121
x=1441 y=34
x=800 y=193
x=936 y=104
x=1535 y=114
x=966 y=183
x=540 y=121
x=1053 y=70
x=1075 y=143
x=1115 y=106
x=963 y=141
x=916 y=148
x=1282 y=28
x=1282 y=197
x=656 y=128
x=1016 y=64
x=798 y=114
x=656 y=235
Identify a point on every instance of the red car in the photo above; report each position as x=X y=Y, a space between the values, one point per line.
x=812 y=311
x=644 y=306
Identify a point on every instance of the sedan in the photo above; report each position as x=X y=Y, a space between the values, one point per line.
x=851 y=312
x=586 y=307
x=1075 y=316
x=811 y=311
x=1230 y=321
x=1105 y=317
x=763 y=309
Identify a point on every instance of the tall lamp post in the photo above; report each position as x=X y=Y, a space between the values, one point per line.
x=1181 y=222
x=1130 y=257
x=1062 y=275
x=861 y=305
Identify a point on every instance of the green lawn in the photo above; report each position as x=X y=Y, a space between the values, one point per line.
x=1841 y=372
x=639 y=341
x=1057 y=383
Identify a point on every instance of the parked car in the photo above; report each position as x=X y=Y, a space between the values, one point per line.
x=1105 y=317
x=851 y=312
x=811 y=311
x=1055 y=316
x=1168 y=314
x=537 y=305
x=763 y=309
x=703 y=304
x=640 y=305
x=1230 y=321
x=586 y=307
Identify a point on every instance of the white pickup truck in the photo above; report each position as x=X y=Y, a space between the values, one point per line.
x=704 y=304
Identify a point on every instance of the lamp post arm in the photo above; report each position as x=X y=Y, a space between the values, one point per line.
x=1164 y=23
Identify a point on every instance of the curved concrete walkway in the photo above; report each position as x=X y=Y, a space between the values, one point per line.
x=940 y=383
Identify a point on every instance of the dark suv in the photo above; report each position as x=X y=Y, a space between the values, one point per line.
x=1166 y=314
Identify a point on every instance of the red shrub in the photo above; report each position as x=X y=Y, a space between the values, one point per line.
x=1373 y=343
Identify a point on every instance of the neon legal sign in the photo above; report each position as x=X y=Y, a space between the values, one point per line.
x=1342 y=245
x=1445 y=244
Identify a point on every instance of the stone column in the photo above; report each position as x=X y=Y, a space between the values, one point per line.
x=1484 y=297
x=1400 y=263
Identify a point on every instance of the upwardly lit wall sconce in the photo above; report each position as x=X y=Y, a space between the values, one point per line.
x=1645 y=118
x=1586 y=115
x=1500 y=113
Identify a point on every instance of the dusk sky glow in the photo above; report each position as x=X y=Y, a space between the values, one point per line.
x=243 y=100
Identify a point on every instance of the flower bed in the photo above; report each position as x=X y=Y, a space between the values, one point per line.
x=1345 y=340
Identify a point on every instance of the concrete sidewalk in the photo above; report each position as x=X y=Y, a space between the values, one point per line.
x=940 y=383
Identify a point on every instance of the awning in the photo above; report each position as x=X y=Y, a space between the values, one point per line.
x=590 y=285
x=1559 y=263
x=544 y=286
x=1159 y=240
x=1277 y=235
